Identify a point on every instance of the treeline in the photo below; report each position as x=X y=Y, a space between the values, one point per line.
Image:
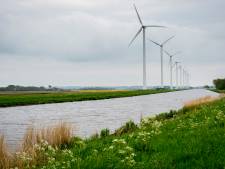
x=219 y=84
x=28 y=88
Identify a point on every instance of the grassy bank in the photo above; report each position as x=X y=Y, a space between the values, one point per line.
x=219 y=91
x=18 y=99
x=193 y=137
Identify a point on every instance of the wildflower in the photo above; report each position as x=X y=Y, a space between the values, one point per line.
x=111 y=147
x=123 y=151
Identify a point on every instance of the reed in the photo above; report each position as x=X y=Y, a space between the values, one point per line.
x=56 y=135
x=4 y=155
x=200 y=101
x=27 y=155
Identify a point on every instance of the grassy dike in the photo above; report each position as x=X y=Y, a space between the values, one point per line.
x=19 y=99
x=193 y=137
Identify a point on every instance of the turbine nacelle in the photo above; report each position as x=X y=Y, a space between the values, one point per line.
x=143 y=27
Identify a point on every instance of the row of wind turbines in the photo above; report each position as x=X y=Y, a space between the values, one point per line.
x=182 y=75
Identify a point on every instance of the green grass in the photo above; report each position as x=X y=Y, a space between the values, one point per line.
x=192 y=138
x=219 y=91
x=19 y=99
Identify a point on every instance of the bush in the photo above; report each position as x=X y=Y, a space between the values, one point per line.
x=165 y=116
x=130 y=126
x=219 y=84
x=104 y=132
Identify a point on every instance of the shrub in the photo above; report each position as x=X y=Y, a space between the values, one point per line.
x=130 y=126
x=165 y=116
x=219 y=84
x=104 y=132
x=94 y=136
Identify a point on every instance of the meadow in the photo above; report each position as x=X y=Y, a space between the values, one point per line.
x=8 y=99
x=193 y=137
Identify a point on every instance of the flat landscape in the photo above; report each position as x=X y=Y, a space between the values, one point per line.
x=192 y=137
x=8 y=99
x=95 y=84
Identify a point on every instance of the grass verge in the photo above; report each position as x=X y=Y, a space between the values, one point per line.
x=19 y=99
x=218 y=91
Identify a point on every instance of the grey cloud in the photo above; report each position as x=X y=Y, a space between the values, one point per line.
x=99 y=30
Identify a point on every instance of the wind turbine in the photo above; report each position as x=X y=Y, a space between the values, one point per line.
x=161 y=54
x=184 y=76
x=188 y=80
x=143 y=30
x=171 y=67
x=176 y=65
x=180 y=67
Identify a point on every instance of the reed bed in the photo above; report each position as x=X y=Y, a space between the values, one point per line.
x=4 y=155
x=28 y=155
x=56 y=135
x=202 y=100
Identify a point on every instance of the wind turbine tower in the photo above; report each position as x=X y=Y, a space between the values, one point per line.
x=184 y=78
x=143 y=30
x=176 y=66
x=171 y=67
x=180 y=67
x=161 y=45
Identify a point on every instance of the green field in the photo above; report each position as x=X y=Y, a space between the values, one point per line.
x=28 y=98
x=193 y=138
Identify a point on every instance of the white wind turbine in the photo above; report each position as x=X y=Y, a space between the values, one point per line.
x=183 y=80
x=180 y=67
x=176 y=65
x=143 y=29
x=161 y=45
x=171 y=67
x=186 y=78
x=184 y=85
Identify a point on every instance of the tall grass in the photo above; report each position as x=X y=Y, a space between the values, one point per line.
x=4 y=155
x=28 y=155
x=55 y=135
x=200 y=101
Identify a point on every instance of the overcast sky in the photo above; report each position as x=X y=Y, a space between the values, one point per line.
x=85 y=42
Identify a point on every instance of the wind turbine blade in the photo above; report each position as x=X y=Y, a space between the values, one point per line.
x=139 y=18
x=155 y=26
x=154 y=42
x=166 y=52
x=139 y=31
x=174 y=64
x=168 y=40
x=176 y=53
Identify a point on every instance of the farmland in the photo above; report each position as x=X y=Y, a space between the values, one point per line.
x=31 y=98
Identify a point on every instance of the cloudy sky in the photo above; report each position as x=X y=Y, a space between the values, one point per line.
x=85 y=42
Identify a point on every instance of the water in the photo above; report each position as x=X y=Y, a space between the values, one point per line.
x=89 y=117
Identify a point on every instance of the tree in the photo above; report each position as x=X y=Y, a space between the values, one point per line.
x=219 y=84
